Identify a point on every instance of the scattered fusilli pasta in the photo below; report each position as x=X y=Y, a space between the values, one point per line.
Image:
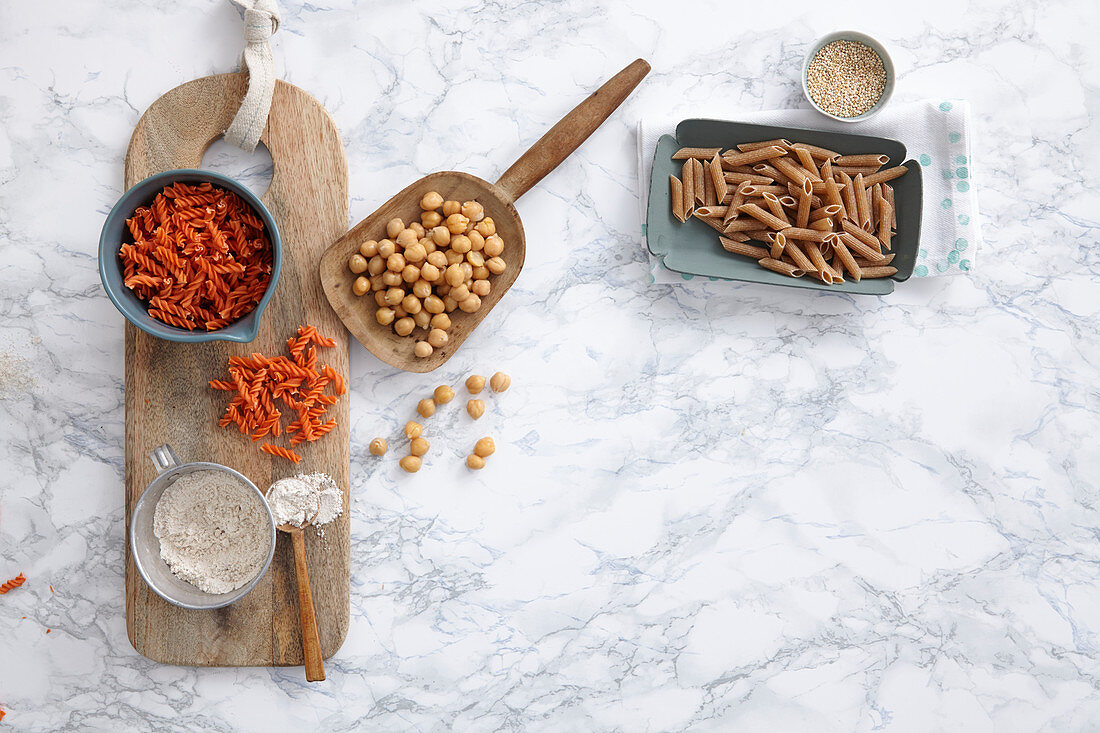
x=298 y=382
x=12 y=584
x=199 y=259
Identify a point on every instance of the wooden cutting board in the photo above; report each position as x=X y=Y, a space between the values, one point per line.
x=168 y=401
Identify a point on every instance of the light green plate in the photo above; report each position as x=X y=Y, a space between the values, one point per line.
x=693 y=247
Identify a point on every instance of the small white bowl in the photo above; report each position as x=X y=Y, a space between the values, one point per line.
x=871 y=43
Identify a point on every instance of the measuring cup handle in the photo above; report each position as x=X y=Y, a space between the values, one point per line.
x=164 y=458
x=566 y=136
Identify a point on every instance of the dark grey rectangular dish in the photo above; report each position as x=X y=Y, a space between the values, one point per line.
x=693 y=247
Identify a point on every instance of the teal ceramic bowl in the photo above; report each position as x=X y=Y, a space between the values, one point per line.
x=115 y=233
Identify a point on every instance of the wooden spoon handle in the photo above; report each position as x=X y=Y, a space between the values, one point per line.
x=311 y=640
x=566 y=136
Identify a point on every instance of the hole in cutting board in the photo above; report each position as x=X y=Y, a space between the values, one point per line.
x=253 y=171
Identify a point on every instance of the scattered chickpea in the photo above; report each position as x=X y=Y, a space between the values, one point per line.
x=449 y=304
x=422 y=319
x=451 y=207
x=481 y=288
x=439 y=259
x=385 y=316
x=475 y=462
x=413 y=430
x=426 y=407
x=422 y=288
x=476 y=259
x=473 y=211
x=379 y=298
x=430 y=272
x=419 y=446
x=411 y=464
x=378 y=447
x=360 y=286
x=404 y=326
x=417 y=228
x=499 y=382
x=438 y=338
x=453 y=258
x=395 y=262
x=399 y=312
x=460 y=292
x=481 y=273
x=441 y=235
x=431 y=201
x=484 y=447
x=376 y=265
x=443 y=394
x=454 y=275
x=441 y=321
x=456 y=223
x=386 y=248
x=430 y=219
x=394 y=228
x=477 y=242
x=475 y=383
x=471 y=304
x=368 y=248
x=410 y=274
x=496 y=265
x=407 y=237
x=433 y=304
x=422 y=349
x=392 y=279
x=476 y=408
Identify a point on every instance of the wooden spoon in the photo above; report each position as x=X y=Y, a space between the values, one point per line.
x=311 y=640
x=544 y=156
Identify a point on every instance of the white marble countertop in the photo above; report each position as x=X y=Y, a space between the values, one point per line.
x=714 y=507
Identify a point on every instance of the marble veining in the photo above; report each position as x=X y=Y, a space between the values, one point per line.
x=712 y=507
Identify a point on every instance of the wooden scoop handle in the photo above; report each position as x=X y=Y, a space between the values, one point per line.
x=311 y=640
x=566 y=136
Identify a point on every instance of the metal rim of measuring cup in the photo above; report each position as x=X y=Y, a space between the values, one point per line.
x=168 y=464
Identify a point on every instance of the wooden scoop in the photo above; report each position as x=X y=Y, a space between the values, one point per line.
x=311 y=640
x=357 y=313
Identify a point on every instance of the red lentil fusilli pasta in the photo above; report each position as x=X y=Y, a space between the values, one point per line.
x=199 y=259
x=298 y=382
x=12 y=584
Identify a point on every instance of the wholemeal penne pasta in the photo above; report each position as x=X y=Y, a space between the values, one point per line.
x=783 y=268
x=710 y=221
x=807 y=161
x=703 y=153
x=861 y=234
x=859 y=248
x=740 y=248
x=809 y=235
x=734 y=177
x=818 y=153
x=874 y=272
x=791 y=170
x=841 y=207
x=888 y=194
x=883 y=176
x=746 y=147
x=798 y=257
x=718 y=178
x=872 y=160
x=885 y=231
x=779 y=243
x=744 y=224
x=863 y=213
x=687 y=175
x=772 y=202
x=752 y=156
x=763 y=216
x=886 y=260
x=805 y=198
x=676 y=193
x=841 y=253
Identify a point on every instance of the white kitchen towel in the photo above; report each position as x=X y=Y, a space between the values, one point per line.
x=935 y=133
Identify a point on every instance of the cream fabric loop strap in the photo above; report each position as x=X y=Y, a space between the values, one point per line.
x=261 y=20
